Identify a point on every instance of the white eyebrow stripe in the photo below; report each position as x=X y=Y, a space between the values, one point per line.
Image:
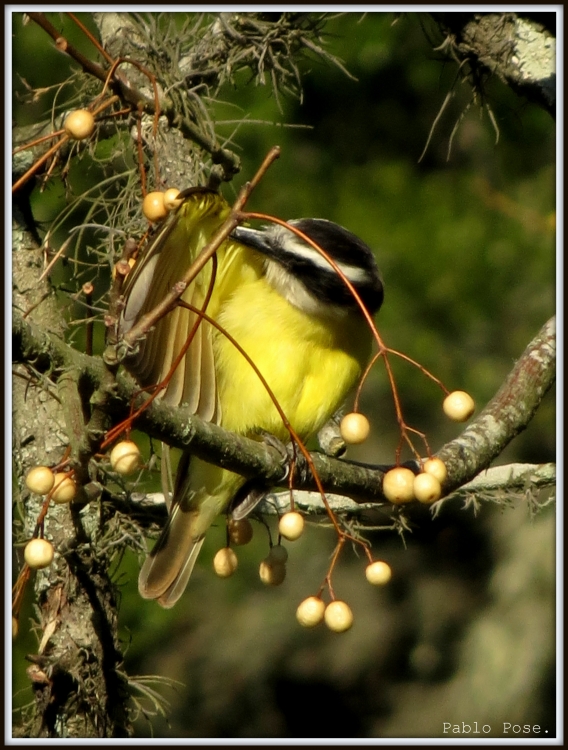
x=355 y=274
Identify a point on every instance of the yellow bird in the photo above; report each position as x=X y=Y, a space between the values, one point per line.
x=290 y=312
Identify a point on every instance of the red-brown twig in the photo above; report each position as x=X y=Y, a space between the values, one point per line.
x=37 y=141
x=88 y=290
x=53 y=149
x=335 y=557
x=18 y=590
x=37 y=164
x=64 y=46
x=90 y=37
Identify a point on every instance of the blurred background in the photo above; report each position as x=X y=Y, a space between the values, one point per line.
x=466 y=244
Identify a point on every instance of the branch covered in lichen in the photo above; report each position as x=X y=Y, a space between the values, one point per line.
x=506 y=415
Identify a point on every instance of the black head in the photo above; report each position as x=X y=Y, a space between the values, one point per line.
x=305 y=264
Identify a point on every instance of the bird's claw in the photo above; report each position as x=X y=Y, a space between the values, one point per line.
x=291 y=456
x=253 y=491
x=286 y=451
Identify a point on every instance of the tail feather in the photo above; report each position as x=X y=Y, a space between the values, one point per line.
x=177 y=546
x=201 y=492
x=181 y=537
x=173 y=593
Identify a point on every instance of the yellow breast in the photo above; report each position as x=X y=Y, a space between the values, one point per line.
x=309 y=363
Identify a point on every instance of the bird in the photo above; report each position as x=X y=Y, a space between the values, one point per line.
x=288 y=309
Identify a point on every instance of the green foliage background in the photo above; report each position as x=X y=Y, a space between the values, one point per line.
x=466 y=245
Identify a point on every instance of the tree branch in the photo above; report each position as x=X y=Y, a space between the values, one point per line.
x=520 y=49
x=492 y=483
x=508 y=413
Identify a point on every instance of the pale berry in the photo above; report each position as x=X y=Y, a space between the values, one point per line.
x=458 y=406
x=398 y=485
x=125 y=457
x=354 y=428
x=171 y=200
x=79 y=124
x=378 y=573
x=39 y=553
x=427 y=489
x=338 y=616
x=40 y=480
x=291 y=526
x=272 y=574
x=64 y=488
x=437 y=468
x=225 y=562
x=310 y=612
x=153 y=206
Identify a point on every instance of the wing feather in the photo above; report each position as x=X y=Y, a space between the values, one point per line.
x=164 y=263
x=209 y=408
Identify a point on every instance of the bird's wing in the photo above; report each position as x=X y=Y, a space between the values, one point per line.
x=164 y=263
x=192 y=507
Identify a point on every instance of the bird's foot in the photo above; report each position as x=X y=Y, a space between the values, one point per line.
x=291 y=456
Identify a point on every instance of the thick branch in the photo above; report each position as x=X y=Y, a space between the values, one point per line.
x=481 y=442
x=493 y=483
x=520 y=49
x=507 y=414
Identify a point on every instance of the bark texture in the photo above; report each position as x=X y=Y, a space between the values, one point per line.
x=520 y=49
x=77 y=685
